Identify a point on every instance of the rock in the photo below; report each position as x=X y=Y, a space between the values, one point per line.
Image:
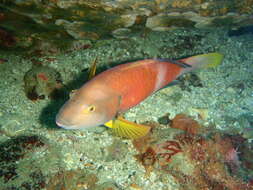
x=128 y=20
x=41 y=82
x=92 y=20
x=163 y=22
x=10 y=124
x=121 y=33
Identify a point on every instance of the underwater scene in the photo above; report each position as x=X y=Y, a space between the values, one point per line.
x=126 y=95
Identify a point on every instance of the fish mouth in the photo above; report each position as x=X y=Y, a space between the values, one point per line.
x=66 y=125
x=59 y=123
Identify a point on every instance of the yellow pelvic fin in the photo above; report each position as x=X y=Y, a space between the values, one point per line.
x=127 y=129
x=93 y=68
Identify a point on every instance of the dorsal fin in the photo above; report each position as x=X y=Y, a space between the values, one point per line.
x=93 y=68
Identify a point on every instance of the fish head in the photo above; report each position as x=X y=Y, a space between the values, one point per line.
x=86 y=109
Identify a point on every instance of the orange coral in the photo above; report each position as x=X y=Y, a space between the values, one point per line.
x=185 y=123
x=158 y=153
x=209 y=162
x=209 y=158
x=141 y=144
x=147 y=159
x=166 y=150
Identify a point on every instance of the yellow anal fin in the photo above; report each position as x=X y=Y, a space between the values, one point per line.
x=127 y=129
x=93 y=68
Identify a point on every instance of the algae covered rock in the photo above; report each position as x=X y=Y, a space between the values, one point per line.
x=17 y=172
x=41 y=82
x=62 y=22
x=73 y=179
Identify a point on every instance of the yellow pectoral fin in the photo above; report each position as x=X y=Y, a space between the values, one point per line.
x=109 y=124
x=127 y=129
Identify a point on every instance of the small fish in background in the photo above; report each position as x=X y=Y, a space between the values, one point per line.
x=116 y=90
x=241 y=31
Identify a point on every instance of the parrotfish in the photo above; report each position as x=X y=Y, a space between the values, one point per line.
x=122 y=87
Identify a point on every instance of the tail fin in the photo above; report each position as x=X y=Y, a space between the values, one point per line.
x=202 y=61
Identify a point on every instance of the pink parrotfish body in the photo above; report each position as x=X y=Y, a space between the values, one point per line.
x=122 y=87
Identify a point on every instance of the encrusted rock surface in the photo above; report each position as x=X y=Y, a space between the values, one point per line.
x=30 y=23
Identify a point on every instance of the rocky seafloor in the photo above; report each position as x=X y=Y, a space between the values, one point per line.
x=36 y=154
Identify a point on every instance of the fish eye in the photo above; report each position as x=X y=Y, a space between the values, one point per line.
x=91 y=108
